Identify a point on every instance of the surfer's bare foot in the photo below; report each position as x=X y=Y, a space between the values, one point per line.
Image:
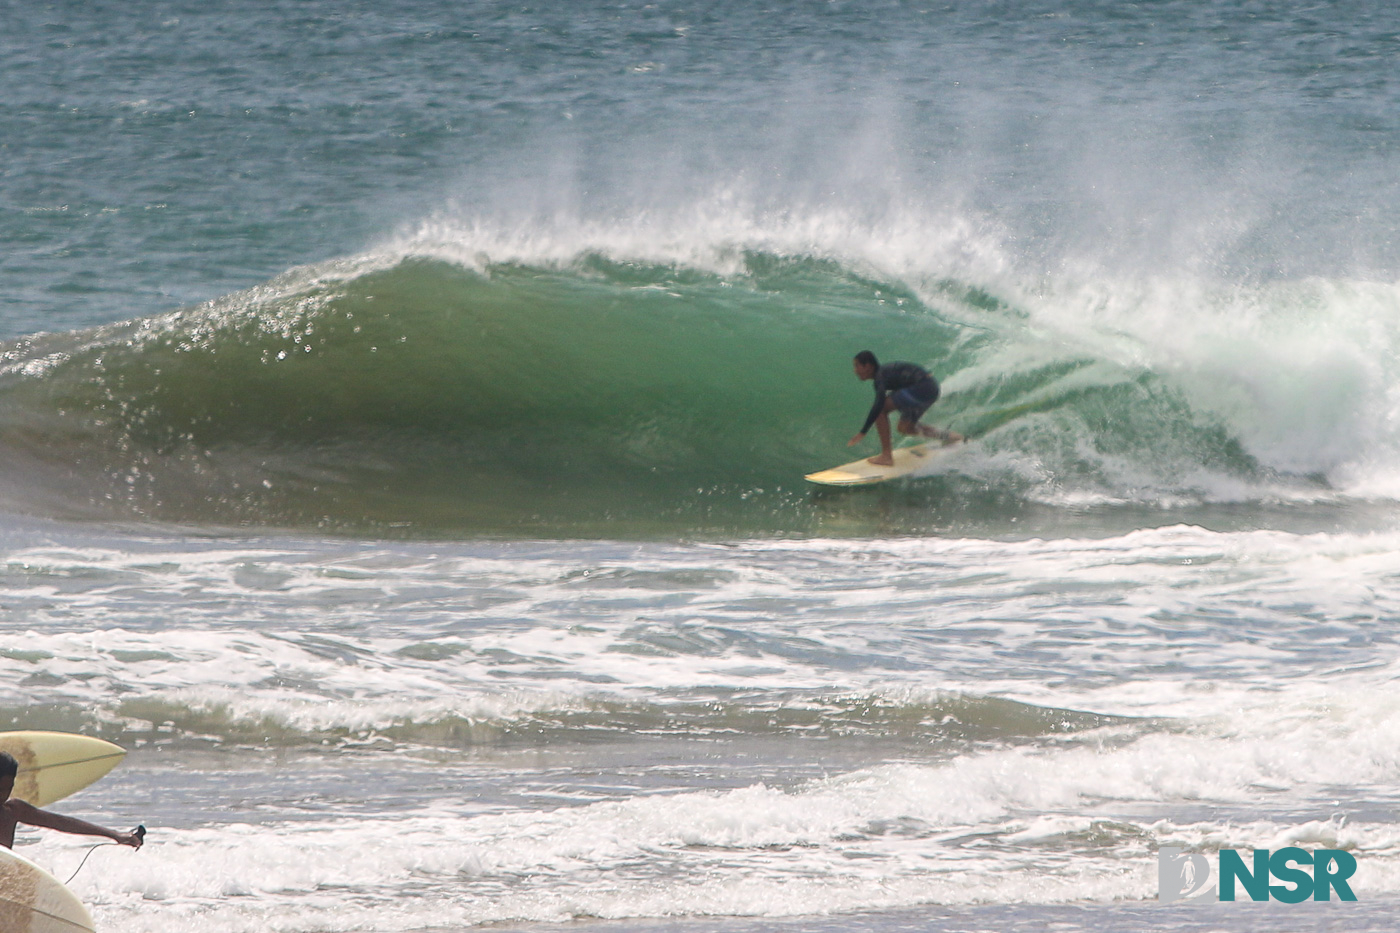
x=952 y=437
x=881 y=460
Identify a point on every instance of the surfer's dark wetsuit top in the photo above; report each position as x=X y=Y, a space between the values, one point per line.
x=913 y=389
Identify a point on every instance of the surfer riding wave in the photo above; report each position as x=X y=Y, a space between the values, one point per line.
x=904 y=387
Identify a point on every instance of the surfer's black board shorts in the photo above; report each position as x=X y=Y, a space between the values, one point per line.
x=913 y=401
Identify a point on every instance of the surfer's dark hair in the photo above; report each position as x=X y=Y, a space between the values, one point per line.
x=866 y=358
x=9 y=767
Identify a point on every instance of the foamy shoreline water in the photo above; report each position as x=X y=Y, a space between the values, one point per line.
x=641 y=731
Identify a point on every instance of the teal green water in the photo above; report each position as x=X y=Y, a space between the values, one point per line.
x=591 y=397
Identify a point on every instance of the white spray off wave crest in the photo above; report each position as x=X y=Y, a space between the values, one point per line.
x=1304 y=373
x=714 y=234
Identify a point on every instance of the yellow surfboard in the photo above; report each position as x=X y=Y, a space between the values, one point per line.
x=53 y=765
x=862 y=472
x=34 y=901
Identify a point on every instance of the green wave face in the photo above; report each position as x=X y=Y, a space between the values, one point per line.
x=592 y=398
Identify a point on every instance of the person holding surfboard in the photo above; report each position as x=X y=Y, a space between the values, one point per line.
x=14 y=811
x=904 y=387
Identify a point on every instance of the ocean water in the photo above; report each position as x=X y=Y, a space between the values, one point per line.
x=403 y=415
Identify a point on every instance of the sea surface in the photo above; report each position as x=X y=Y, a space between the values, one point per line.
x=404 y=411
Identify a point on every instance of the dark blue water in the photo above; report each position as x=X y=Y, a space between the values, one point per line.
x=162 y=156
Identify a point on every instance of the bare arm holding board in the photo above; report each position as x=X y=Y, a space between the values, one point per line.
x=14 y=811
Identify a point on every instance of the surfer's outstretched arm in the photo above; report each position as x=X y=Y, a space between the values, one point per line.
x=14 y=811
x=17 y=811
